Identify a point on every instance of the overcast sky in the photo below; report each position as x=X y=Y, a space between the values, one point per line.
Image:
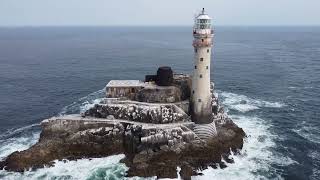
x=157 y=12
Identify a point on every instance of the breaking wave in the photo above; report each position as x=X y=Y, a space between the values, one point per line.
x=243 y=103
x=82 y=104
x=18 y=139
x=299 y=88
x=12 y=132
x=97 y=168
x=89 y=169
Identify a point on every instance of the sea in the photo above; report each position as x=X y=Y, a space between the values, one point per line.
x=267 y=79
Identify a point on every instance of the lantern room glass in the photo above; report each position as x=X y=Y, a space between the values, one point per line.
x=203 y=24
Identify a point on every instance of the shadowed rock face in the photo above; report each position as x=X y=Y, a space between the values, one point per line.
x=75 y=139
x=163 y=161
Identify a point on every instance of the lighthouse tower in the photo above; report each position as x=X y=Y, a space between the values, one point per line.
x=201 y=106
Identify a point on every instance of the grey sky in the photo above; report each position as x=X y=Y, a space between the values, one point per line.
x=157 y=12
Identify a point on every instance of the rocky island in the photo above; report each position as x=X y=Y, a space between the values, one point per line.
x=167 y=121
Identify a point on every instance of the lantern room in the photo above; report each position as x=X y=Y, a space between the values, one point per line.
x=203 y=21
x=202 y=24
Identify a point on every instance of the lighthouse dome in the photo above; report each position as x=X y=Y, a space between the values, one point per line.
x=203 y=16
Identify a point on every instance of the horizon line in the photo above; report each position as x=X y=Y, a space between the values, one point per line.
x=226 y=25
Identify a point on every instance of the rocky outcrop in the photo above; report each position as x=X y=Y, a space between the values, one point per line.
x=162 y=160
x=151 y=149
x=155 y=137
x=65 y=139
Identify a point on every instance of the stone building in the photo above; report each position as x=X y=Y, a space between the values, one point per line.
x=123 y=88
x=164 y=87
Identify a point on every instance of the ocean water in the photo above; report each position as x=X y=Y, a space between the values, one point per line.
x=268 y=79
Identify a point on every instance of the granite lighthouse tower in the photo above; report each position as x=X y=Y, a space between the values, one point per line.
x=201 y=107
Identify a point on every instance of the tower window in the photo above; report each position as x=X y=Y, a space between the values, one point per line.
x=202 y=40
x=193 y=92
x=199 y=100
x=195 y=67
x=195 y=50
x=200 y=75
x=207 y=67
x=201 y=59
x=208 y=50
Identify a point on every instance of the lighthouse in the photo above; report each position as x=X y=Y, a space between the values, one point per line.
x=201 y=107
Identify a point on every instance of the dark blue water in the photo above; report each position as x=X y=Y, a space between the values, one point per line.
x=267 y=77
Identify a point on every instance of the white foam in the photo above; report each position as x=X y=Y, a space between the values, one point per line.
x=10 y=145
x=243 y=103
x=96 y=168
x=83 y=103
x=244 y=107
x=87 y=105
x=308 y=131
x=256 y=157
x=315 y=156
x=298 y=88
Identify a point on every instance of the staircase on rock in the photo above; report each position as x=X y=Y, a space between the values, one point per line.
x=205 y=131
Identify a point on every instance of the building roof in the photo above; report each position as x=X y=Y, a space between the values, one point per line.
x=203 y=15
x=125 y=83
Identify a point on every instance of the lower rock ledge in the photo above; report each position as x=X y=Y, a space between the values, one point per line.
x=150 y=149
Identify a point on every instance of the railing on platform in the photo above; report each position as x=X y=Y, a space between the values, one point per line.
x=199 y=43
x=196 y=32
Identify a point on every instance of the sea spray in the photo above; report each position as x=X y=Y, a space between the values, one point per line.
x=244 y=104
x=96 y=168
